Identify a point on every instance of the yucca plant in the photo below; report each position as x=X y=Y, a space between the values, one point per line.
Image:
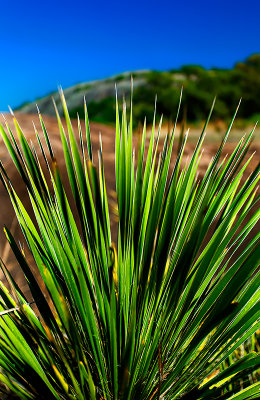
x=155 y=315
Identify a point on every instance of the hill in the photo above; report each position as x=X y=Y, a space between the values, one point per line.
x=200 y=87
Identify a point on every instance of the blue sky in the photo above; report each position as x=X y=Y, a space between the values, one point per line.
x=51 y=43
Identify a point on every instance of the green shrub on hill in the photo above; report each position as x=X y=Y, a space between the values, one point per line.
x=200 y=87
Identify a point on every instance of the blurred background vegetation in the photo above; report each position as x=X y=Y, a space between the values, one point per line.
x=200 y=86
